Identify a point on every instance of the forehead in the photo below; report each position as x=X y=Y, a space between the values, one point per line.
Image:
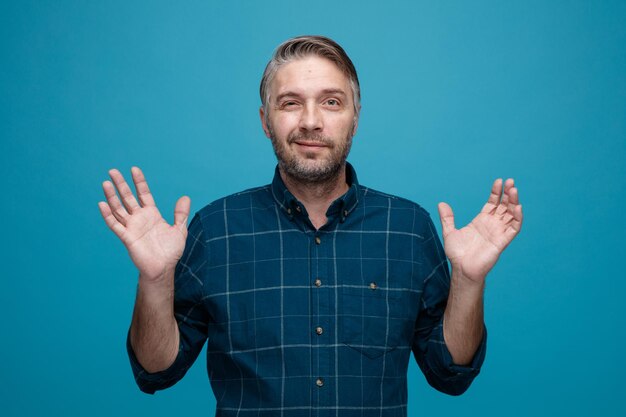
x=308 y=75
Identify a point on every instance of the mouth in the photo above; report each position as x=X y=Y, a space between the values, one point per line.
x=308 y=144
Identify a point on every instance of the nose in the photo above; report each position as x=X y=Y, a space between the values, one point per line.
x=311 y=118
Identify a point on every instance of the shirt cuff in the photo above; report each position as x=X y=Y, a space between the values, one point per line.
x=463 y=371
x=151 y=382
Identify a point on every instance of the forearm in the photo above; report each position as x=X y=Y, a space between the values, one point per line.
x=154 y=334
x=463 y=318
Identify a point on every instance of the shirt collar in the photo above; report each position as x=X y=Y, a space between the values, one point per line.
x=342 y=206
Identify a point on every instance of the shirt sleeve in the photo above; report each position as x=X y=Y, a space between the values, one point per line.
x=429 y=347
x=189 y=312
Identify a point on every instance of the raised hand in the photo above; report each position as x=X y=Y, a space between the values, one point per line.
x=474 y=249
x=153 y=245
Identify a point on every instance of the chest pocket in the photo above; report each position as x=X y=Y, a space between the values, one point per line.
x=374 y=320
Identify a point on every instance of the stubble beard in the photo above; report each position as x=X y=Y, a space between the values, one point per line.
x=320 y=171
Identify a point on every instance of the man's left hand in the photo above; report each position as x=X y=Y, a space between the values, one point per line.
x=475 y=249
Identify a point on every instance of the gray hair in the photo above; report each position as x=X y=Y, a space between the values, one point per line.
x=303 y=46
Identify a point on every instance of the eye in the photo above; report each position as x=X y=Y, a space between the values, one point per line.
x=288 y=104
x=332 y=102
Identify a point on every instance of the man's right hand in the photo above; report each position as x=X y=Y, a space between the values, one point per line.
x=153 y=245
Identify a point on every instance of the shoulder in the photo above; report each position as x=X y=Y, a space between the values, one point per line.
x=404 y=213
x=241 y=200
x=231 y=211
x=372 y=197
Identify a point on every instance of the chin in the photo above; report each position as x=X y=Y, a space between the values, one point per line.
x=320 y=171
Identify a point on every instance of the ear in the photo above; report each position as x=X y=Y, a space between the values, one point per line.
x=264 y=122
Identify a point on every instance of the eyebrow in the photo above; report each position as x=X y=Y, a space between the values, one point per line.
x=324 y=92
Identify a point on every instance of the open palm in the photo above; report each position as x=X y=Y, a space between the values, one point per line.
x=153 y=245
x=474 y=249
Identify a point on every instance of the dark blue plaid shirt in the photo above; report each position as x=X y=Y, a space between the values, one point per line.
x=306 y=322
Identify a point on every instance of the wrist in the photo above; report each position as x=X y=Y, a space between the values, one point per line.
x=162 y=284
x=466 y=284
x=156 y=277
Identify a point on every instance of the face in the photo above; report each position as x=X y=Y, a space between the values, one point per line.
x=311 y=119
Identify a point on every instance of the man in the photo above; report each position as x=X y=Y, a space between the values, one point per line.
x=314 y=290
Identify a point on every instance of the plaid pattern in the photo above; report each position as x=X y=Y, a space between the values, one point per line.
x=305 y=322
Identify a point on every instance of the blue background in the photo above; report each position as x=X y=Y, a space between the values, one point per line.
x=454 y=95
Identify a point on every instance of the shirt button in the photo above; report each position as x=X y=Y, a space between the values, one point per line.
x=319 y=382
x=319 y=330
x=318 y=282
x=318 y=240
x=288 y=211
x=373 y=285
x=298 y=209
x=345 y=213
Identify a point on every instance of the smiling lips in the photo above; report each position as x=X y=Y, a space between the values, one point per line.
x=311 y=144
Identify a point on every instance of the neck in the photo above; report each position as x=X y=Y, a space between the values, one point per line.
x=317 y=197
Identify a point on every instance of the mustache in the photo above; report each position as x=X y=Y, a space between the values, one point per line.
x=310 y=137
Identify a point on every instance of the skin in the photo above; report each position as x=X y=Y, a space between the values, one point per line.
x=311 y=123
x=473 y=251
x=154 y=247
x=311 y=120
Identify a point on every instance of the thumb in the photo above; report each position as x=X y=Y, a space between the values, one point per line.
x=447 y=218
x=181 y=211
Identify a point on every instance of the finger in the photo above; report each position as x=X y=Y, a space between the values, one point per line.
x=508 y=185
x=496 y=192
x=513 y=196
x=110 y=219
x=516 y=222
x=519 y=217
x=114 y=204
x=141 y=185
x=494 y=197
x=128 y=199
x=447 y=218
x=181 y=211
x=512 y=201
